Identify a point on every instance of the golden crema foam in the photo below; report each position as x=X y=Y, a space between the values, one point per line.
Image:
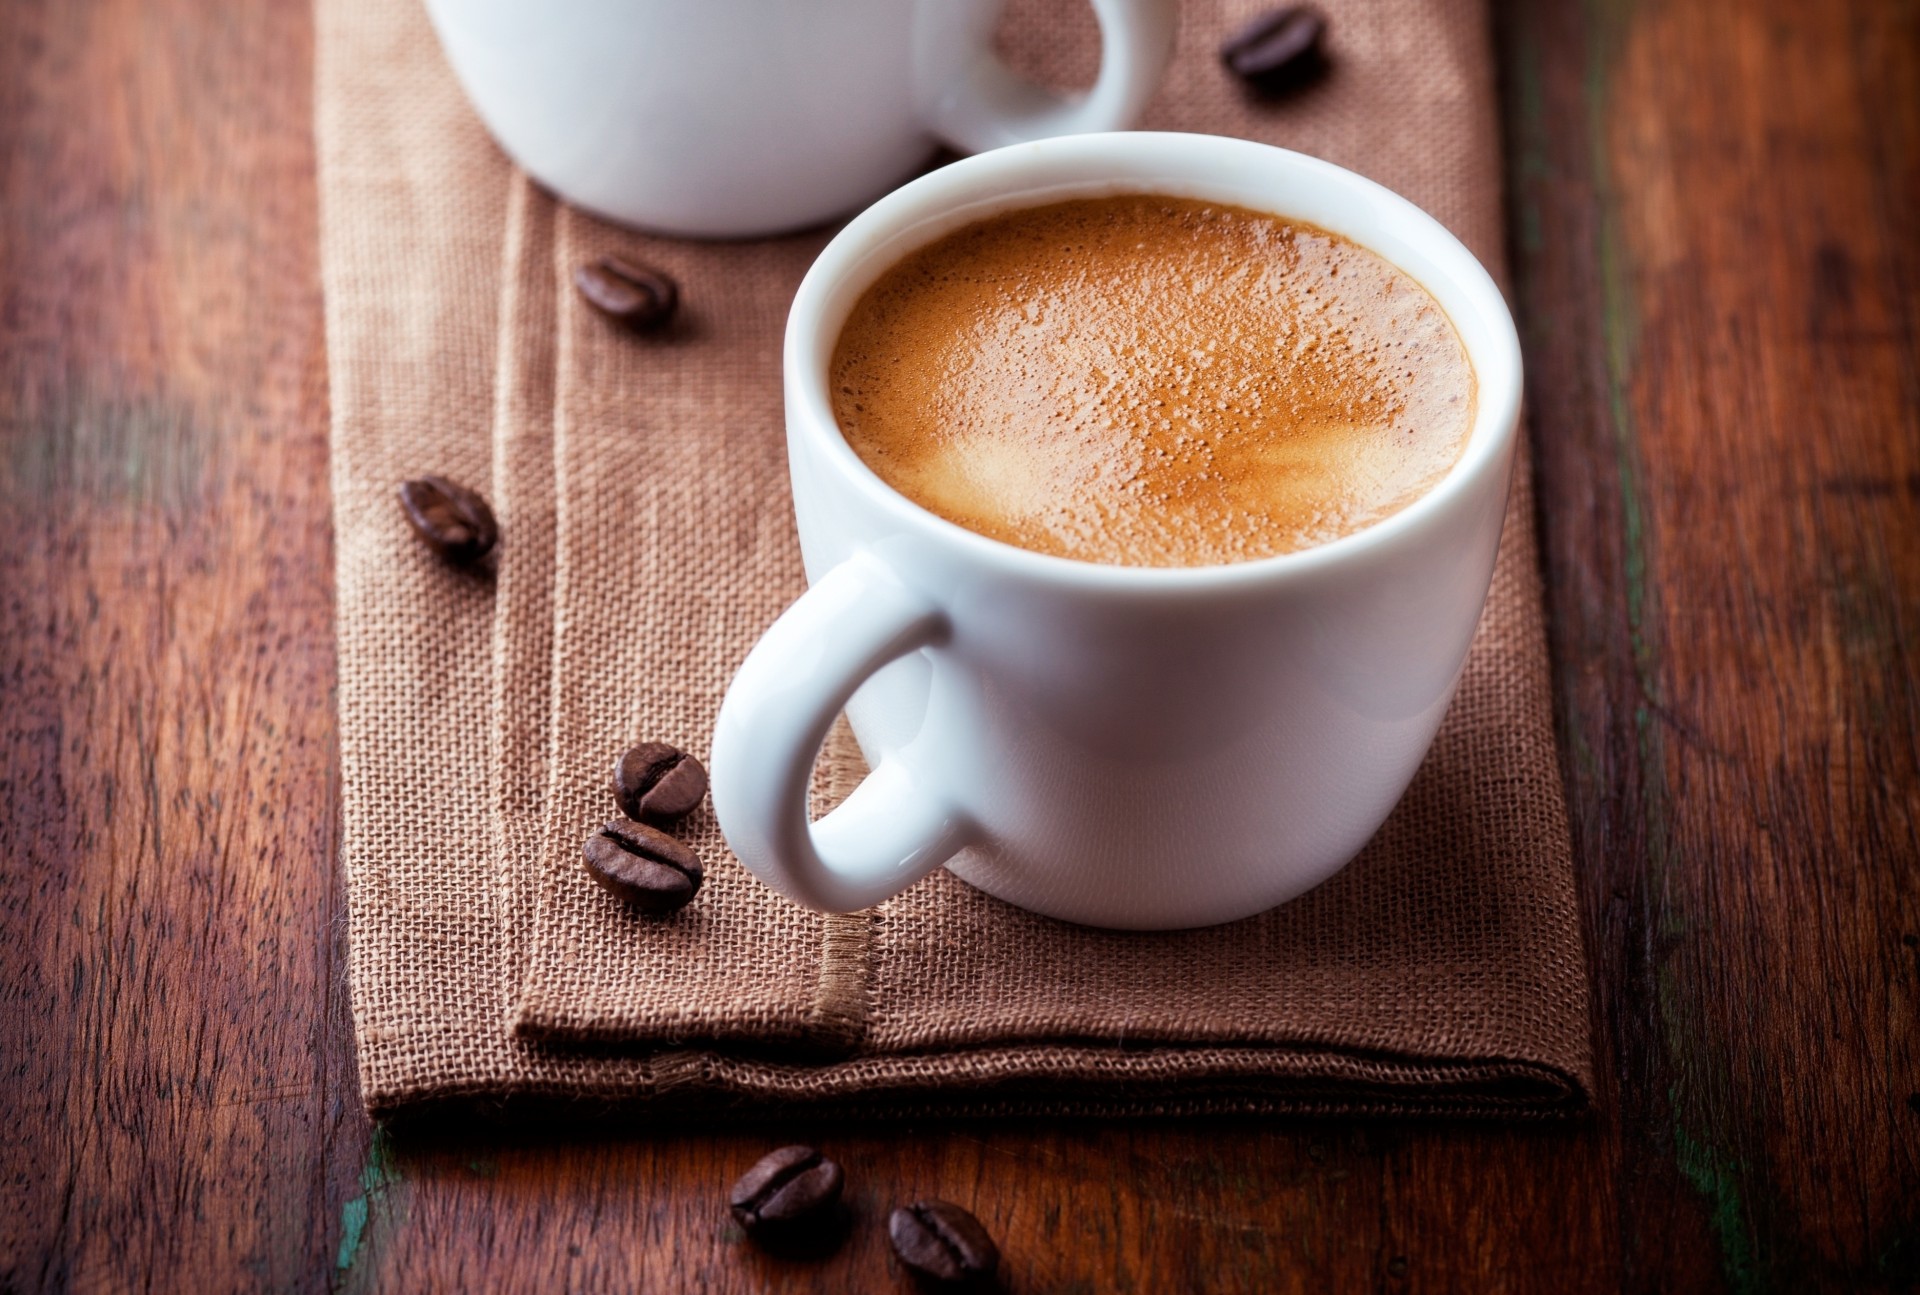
x=1152 y=381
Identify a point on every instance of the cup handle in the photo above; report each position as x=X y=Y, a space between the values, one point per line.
x=988 y=105
x=891 y=831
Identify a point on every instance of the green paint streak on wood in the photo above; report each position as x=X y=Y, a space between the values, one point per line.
x=92 y=433
x=353 y=1224
x=1620 y=324
x=377 y=1177
x=1716 y=1177
x=1711 y=1170
x=1694 y=1047
x=1530 y=155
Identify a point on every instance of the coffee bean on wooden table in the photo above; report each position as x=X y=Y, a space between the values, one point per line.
x=657 y=783
x=631 y=294
x=790 y=1201
x=1278 y=50
x=944 y=1244
x=454 y=521
x=643 y=866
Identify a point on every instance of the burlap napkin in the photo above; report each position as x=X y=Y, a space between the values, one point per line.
x=648 y=540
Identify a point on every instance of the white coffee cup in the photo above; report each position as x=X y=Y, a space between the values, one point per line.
x=729 y=118
x=1119 y=746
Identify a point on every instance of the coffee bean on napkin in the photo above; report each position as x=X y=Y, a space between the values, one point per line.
x=657 y=783
x=643 y=866
x=790 y=1201
x=944 y=1244
x=633 y=295
x=1279 y=50
x=455 y=522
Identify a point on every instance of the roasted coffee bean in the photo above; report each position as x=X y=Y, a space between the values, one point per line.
x=657 y=783
x=944 y=1244
x=790 y=1201
x=1279 y=50
x=454 y=521
x=627 y=292
x=643 y=866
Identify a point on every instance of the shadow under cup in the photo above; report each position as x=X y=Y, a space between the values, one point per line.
x=1140 y=747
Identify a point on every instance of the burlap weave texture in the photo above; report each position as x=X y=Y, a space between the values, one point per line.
x=642 y=490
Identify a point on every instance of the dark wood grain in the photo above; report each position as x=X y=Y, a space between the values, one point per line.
x=1716 y=273
x=1715 y=206
x=178 y=1099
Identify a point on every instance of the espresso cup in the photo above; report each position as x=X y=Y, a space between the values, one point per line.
x=1143 y=747
x=731 y=118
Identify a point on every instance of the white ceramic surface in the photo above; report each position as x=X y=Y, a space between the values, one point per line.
x=1118 y=746
x=730 y=118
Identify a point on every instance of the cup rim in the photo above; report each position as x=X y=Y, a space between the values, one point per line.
x=1181 y=164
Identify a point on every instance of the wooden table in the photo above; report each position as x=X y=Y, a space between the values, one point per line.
x=1716 y=229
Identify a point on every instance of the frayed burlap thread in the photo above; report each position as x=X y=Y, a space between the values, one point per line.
x=642 y=489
